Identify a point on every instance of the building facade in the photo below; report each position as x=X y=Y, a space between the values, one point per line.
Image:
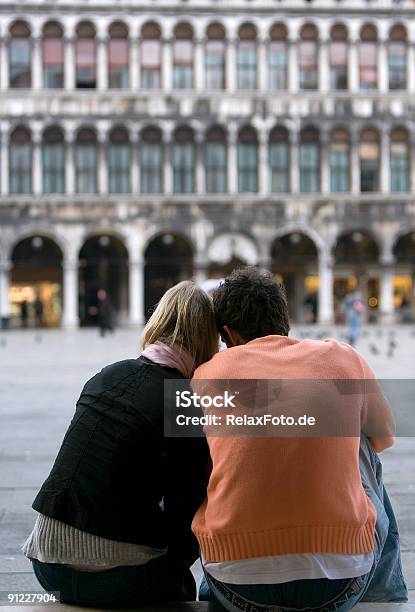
x=145 y=144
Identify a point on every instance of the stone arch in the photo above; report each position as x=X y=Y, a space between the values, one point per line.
x=168 y=259
x=103 y=264
x=36 y=279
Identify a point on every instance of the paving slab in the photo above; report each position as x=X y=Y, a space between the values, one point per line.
x=40 y=382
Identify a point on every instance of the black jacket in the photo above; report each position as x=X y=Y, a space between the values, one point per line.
x=116 y=476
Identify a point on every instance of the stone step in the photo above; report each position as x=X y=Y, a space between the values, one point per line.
x=197 y=606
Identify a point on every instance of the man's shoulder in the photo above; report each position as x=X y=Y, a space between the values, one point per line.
x=220 y=366
x=336 y=356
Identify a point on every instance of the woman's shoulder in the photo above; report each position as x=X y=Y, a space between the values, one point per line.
x=129 y=371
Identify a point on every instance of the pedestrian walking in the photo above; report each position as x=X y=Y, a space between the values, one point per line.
x=106 y=313
x=355 y=310
x=38 y=310
x=24 y=313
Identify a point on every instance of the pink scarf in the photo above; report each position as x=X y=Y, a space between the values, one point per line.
x=171 y=356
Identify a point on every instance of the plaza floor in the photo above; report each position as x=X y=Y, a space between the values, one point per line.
x=41 y=375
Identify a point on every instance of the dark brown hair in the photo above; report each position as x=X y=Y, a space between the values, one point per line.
x=251 y=302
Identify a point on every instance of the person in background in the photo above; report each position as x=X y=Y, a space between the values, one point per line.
x=114 y=515
x=355 y=311
x=106 y=313
x=296 y=522
x=38 y=310
x=24 y=313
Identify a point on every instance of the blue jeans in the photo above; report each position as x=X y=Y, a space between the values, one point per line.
x=384 y=583
x=354 y=321
x=159 y=580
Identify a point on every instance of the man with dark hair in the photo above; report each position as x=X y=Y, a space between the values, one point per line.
x=249 y=304
x=296 y=521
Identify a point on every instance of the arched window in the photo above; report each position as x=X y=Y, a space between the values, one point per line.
x=339 y=161
x=119 y=161
x=338 y=58
x=215 y=57
x=279 y=161
x=309 y=161
x=53 y=161
x=399 y=160
x=369 y=154
x=278 y=57
x=20 y=55
x=308 y=57
x=183 y=57
x=216 y=162
x=53 y=56
x=151 y=161
x=397 y=50
x=247 y=161
x=368 y=57
x=118 y=51
x=86 y=56
x=247 y=57
x=183 y=161
x=20 y=162
x=151 y=56
x=86 y=161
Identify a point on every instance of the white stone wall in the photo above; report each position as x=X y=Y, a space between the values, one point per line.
x=136 y=218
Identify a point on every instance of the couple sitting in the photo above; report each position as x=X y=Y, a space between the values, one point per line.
x=280 y=523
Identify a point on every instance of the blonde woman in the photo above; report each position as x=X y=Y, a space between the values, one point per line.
x=113 y=528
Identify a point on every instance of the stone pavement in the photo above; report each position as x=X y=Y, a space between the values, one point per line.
x=40 y=379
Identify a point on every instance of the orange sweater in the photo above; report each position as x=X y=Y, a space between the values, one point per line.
x=277 y=496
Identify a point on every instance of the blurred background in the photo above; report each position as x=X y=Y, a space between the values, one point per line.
x=145 y=144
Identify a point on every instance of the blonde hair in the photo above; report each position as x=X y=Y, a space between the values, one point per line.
x=185 y=317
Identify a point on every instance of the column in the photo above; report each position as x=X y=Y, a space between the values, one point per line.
x=324 y=71
x=70 y=183
x=70 y=317
x=37 y=62
x=232 y=159
x=264 y=187
x=293 y=75
x=5 y=267
x=4 y=63
x=135 y=162
x=69 y=59
x=199 y=65
x=411 y=149
x=37 y=161
x=325 y=170
x=262 y=65
x=167 y=65
x=325 y=289
x=231 y=69
x=135 y=72
x=4 y=160
x=386 y=293
x=294 y=162
x=411 y=67
x=102 y=63
x=136 y=291
x=383 y=68
x=167 y=161
x=354 y=162
x=200 y=166
x=384 y=162
x=200 y=268
x=353 y=65
x=102 y=161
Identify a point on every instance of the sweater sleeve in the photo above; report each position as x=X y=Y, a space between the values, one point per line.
x=187 y=469
x=377 y=420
